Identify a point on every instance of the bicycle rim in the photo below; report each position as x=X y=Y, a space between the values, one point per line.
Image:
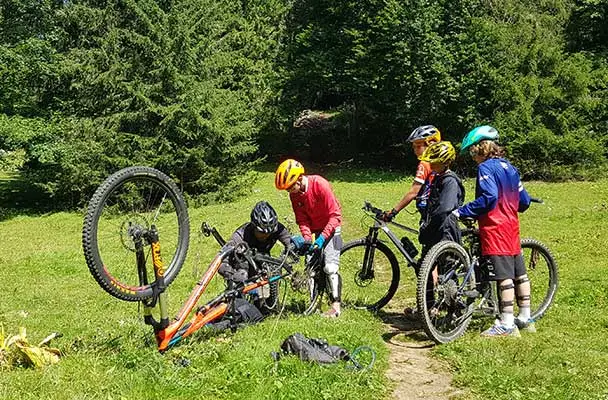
x=134 y=198
x=374 y=288
x=445 y=308
x=542 y=270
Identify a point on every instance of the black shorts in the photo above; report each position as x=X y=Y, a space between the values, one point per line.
x=505 y=267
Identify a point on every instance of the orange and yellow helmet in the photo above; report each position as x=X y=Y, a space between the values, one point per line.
x=288 y=173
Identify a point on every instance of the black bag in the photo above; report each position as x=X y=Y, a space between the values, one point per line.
x=313 y=349
x=245 y=313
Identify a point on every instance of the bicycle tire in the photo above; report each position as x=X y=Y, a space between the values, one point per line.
x=316 y=294
x=134 y=196
x=358 y=291
x=272 y=302
x=445 y=311
x=308 y=288
x=543 y=275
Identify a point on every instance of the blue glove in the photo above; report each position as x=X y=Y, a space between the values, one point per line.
x=297 y=241
x=319 y=242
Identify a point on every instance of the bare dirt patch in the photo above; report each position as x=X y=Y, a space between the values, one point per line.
x=416 y=374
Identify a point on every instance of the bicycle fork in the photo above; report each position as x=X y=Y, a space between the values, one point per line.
x=367 y=269
x=159 y=296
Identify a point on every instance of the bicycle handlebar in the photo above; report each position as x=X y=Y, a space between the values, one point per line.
x=367 y=206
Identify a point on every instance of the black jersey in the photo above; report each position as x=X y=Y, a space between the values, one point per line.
x=245 y=233
x=438 y=223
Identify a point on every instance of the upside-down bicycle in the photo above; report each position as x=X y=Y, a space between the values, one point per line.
x=138 y=208
x=460 y=289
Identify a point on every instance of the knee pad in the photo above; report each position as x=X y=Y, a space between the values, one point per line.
x=508 y=286
x=331 y=268
x=504 y=304
x=523 y=298
x=335 y=287
x=522 y=279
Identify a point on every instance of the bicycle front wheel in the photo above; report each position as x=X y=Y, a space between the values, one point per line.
x=446 y=292
x=131 y=201
x=370 y=274
x=543 y=273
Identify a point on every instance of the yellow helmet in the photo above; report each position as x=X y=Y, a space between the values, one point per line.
x=288 y=173
x=439 y=153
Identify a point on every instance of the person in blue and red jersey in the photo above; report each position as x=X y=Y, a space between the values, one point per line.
x=500 y=195
x=317 y=212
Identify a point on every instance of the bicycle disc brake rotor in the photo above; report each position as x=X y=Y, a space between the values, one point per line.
x=132 y=228
x=363 y=280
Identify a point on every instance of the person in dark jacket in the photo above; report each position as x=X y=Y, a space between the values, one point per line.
x=446 y=194
x=260 y=233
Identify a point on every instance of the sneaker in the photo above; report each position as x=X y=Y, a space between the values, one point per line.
x=527 y=326
x=501 y=330
x=331 y=313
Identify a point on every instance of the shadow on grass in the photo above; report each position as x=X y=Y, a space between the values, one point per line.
x=402 y=326
x=18 y=197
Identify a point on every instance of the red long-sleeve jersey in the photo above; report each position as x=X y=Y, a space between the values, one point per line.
x=317 y=209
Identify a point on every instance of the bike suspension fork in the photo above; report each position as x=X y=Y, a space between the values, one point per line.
x=159 y=296
x=367 y=270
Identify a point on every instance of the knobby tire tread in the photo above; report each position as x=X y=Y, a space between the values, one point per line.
x=94 y=210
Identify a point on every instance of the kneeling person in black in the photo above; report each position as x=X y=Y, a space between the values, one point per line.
x=261 y=234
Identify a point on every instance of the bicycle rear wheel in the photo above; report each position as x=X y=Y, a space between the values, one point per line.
x=445 y=292
x=543 y=273
x=131 y=201
x=369 y=288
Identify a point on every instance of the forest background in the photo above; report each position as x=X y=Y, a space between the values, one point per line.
x=206 y=89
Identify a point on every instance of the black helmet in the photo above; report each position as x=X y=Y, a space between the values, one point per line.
x=264 y=217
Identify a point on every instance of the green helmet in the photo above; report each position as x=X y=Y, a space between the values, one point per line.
x=484 y=132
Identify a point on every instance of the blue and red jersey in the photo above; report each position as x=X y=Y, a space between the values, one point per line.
x=499 y=196
x=317 y=209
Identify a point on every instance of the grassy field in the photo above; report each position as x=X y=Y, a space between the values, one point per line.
x=109 y=353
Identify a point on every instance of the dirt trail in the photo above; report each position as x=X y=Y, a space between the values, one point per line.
x=417 y=375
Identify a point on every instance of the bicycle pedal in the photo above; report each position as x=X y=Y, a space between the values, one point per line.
x=473 y=294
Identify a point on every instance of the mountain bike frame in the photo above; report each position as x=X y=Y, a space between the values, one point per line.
x=170 y=333
x=372 y=236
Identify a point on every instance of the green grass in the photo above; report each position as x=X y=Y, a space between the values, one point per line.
x=109 y=352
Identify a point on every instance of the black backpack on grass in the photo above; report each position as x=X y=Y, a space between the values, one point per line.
x=312 y=349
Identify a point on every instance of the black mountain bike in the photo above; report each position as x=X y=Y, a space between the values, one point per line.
x=369 y=268
x=452 y=286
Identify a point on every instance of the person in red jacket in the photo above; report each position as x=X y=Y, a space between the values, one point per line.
x=317 y=212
